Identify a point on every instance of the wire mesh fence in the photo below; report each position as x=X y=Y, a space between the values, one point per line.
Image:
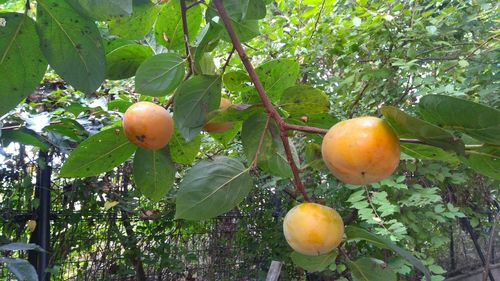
x=135 y=239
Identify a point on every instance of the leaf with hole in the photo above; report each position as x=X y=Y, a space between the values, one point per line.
x=102 y=10
x=212 y=188
x=304 y=100
x=22 y=64
x=137 y=25
x=98 y=154
x=182 y=151
x=124 y=61
x=168 y=28
x=72 y=44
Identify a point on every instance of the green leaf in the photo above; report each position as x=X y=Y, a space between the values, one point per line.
x=227 y=136
x=304 y=100
x=356 y=233
x=256 y=10
x=236 y=112
x=484 y=159
x=427 y=152
x=139 y=23
x=16 y=246
x=478 y=121
x=72 y=44
x=103 y=9
x=193 y=100
x=313 y=263
x=119 y=105
x=212 y=188
x=235 y=9
x=184 y=152
x=22 y=64
x=168 y=28
x=237 y=81
x=124 y=61
x=22 y=269
x=98 y=154
x=154 y=173
x=272 y=157
x=278 y=75
x=24 y=136
x=407 y=126
x=68 y=128
x=370 y=269
x=160 y=75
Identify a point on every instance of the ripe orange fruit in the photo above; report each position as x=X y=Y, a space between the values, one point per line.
x=361 y=150
x=313 y=229
x=219 y=127
x=148 y=125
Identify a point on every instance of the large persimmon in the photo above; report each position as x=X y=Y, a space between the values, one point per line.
x=361 y=150
x=148 y=125
x=223 y=126
x=313 y=229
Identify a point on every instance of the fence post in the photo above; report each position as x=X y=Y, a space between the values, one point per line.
x=43 y=212
x=274 y=271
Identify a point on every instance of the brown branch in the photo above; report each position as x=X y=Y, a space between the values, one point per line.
x=261 y=141
x=306 y=129
x=170 y=101
x=493 y=234
x=471 y=53
x=228 y=60
x=317 y=20
x=358 y=99
x=186 y=38
x=195 y=3
x=263 y=96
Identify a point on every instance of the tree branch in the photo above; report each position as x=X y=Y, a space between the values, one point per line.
x=263 y=96
x=493 y=234
x=227 y=61
x=186 y=38
x=358 y=98
x=306 y=129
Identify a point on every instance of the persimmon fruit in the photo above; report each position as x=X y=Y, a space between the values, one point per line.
x=223 y=126
x=361 y=150
x=148 y=125
x=313 y=229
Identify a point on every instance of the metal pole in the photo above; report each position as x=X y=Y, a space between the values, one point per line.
x=43 y=224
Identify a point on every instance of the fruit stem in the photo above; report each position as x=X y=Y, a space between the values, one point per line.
x=273 y=113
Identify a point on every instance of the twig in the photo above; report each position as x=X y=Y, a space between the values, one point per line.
x=407 y=90
x=471 y=53
x=306 y=129
x=263 y=96
x=186 y=38
x=195 y=3
x=358 y=98
x=261 y=140
x=317 y=20
x=493 y=234
x=228 y=60
x=170 y=101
